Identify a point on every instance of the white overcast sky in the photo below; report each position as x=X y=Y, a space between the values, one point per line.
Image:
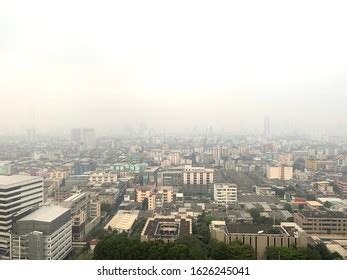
x=174 y=65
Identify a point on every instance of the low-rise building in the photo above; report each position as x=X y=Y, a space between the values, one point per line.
x=123 y=221
x=259 y=237
x=284 y=173
x=197 y=175
x=166 y=228
x=98 y=178
x=319 y=222
x=342 y=185
x=45 y=234
x=325 y=188
x=225 y=193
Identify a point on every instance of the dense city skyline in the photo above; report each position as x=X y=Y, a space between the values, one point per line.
x=175 y=131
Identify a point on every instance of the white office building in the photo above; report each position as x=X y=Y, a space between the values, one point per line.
x=18 y=194
x=197 y=175
x=225 y=193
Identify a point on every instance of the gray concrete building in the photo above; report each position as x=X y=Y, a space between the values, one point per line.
x=45 y=234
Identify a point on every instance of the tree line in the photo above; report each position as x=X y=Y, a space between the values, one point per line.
x=120 y=247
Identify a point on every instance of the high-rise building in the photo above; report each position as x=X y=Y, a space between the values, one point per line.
x=18 y=195
x=267 y=131
x=86 y=136
x=76 y=135
x=89 y=137
x=31 y=135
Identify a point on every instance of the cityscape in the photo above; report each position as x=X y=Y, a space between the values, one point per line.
x=173 y=197
x=173 y=130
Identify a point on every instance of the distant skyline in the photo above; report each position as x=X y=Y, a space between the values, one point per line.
x=173 y=66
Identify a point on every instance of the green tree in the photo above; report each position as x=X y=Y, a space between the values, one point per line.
x=316 y=252
x=325 y=254
x=284 y=253
x=231 y=251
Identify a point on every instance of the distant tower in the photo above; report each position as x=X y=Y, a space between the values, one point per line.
x=31 y=135
x=31 y=132
x=76 y=135
x=267 y=126
x=88 y=137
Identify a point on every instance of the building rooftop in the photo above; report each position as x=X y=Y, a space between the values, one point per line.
x=314 y=203
x=248 y=228
x=45 y=214
x=323 y=215
x=16 y=179
x=123 y=220
x=169 y=227
x=252 y=198
x=74 y=197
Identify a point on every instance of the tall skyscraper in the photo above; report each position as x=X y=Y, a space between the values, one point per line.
x=89 y=137
x=267 y=127
x=85 y=136
x=18 y=195
x=76 y=135
x=31 y=135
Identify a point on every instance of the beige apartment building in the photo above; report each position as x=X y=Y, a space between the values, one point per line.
x=58 y=175
x=284 y=173
x=143 y=193
x=259 y=237
x=224 y=193
x=318 y=222
x=155 y=198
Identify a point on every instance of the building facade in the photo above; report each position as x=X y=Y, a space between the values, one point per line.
x=103 y=177
x=318 y=222
x=197 y=175
x=284 y=173
x=18 y=195
x=342 y=185
x=225 y=193
x=45 y=234
x=260 y=237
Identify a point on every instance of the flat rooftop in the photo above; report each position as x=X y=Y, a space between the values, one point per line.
x=16 y=179
x=46 y=214
x=182 y=226
x=253 y=198
x=248 y=228
x=323 y=215
x=75 y=197
x=122 y=221
x=314 y=203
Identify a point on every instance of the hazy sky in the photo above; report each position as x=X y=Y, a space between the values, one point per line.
x=173 y=65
